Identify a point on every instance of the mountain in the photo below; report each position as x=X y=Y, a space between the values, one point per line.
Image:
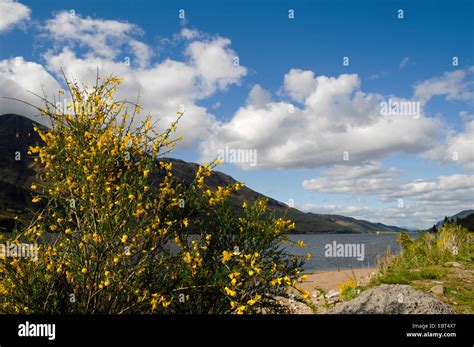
x=455 y=218
x=18 y=171
x=413 y=229
x=395 y=228
x=467 y=222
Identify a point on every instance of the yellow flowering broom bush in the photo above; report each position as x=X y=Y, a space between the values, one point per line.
x=118 y=234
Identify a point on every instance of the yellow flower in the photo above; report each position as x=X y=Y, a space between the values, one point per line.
x=230 y=292
x=34 y=186
x=241 y=309
x=116 y=260
x=145 y=173
x=301 y=244
x=351 y=283
x=36 y=200
x=187 y=258
x=226 y=256
x=84 y=270
x=154 y=304
x=244 y=205
x=124 y=238
x=234 y=275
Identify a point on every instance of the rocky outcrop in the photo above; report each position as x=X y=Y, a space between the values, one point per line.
x=393 y=299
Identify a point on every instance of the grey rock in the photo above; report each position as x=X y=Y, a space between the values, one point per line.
x=393 y=299
x=452 y=264
x=332 y=294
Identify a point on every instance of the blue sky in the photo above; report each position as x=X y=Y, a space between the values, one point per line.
x=388 y=56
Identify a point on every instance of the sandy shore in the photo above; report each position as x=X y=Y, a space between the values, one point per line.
x=328 y=280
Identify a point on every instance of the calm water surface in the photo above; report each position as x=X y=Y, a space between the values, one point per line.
x=374 y=245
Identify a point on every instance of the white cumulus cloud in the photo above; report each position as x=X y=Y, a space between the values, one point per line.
x=368 y=178
x=454 y=86
x=17 y=79
x=336 y=117
x=12 y=14
x=456 y=148
x=82 y=45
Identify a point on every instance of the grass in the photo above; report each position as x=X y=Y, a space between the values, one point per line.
x=398 y=275
x=423 y=263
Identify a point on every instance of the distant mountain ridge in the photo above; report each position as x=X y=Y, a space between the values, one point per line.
x=17 y=134
x=454 y=218
x=467 y=222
